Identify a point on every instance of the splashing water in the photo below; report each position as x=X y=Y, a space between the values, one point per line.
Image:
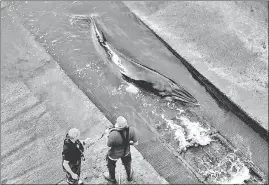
x=196 y=133
x=231 y=170
x=132 y=89
x=188 y=133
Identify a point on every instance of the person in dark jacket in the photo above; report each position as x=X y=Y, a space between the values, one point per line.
x=119 y=140
x=72 y=154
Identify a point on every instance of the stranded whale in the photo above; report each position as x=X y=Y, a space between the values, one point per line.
x=138 y=74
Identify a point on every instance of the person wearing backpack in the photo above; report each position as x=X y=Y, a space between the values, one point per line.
x=119 y=140
x=72 y=155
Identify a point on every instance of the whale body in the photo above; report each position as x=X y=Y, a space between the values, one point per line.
x=138 y=74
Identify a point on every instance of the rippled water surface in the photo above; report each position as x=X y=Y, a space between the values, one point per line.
x=63 y=29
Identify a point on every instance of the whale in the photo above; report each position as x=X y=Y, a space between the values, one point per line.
x=139 y=75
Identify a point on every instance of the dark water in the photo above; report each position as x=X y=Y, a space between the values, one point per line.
x=57 y=27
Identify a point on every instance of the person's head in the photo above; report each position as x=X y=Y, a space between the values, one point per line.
x=121 y=122
x=74 y=134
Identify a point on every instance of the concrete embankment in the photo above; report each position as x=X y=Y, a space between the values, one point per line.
x=39 y=103
x=4 y=4
x=225 y=42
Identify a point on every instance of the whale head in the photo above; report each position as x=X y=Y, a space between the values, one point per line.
x=98 y=33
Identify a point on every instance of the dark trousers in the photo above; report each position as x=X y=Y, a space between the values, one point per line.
x=126 y=161
x=76 y=169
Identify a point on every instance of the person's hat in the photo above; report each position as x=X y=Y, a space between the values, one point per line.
x=73 y=133
x=122 y=122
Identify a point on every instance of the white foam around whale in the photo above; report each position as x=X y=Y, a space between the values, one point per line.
x=188 y=133
x=132 y=89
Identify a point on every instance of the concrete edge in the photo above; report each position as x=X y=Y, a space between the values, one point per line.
x=5 y=4
x=216 y=93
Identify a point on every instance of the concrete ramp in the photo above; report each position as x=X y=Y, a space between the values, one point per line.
x=166 y=163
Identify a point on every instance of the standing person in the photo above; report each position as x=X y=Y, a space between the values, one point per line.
x=119 y=139
x=72 y=154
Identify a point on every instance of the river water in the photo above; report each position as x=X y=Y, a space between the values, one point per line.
x=63 y=29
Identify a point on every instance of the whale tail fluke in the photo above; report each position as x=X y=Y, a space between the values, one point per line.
x=184 y=96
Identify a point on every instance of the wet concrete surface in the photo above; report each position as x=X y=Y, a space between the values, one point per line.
x=4 y=4
x=69 y=42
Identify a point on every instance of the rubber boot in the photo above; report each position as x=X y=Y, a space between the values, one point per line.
x=129 y=173
x=110 y=175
